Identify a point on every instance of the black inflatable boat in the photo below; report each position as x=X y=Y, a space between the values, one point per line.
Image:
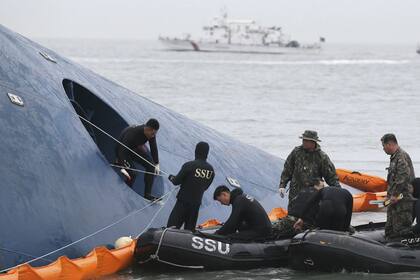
x=202 y=250
x=365 y=251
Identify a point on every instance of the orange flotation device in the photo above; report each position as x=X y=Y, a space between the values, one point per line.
x=277 y=213
x=98 y=263
x=361 y=181
x=361 y=201
x=210 y=223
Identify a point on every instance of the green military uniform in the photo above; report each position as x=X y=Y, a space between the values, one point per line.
x=284 y=227
x=400 y=175
x=302 y=166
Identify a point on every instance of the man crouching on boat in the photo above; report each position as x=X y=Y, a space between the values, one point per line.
x=317 y=206
x=331 y=207
x=248 y=220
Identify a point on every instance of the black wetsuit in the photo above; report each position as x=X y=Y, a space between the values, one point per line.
x=300 y=209
x=195 y=177
x=134 y=138
x=248 y=217
x=332 y=208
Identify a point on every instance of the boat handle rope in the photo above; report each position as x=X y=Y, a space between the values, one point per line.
x=167 y=194
x=156 y=257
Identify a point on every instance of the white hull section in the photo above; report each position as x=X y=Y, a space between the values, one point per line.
x=189 y=45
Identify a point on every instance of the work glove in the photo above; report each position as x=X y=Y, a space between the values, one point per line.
x=124 y=163
x=126 y=174
x=298 y=225
x=282 y=191
x=157 y=169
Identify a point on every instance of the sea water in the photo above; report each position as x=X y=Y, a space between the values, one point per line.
x=350 y=94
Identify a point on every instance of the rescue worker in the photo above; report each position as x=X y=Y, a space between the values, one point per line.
x=316 y=206
x=284 y=227
x=248 y=219
x=304 y=163
x=195 y=177
x=331 y=207
x=135 y=137
x=400 y=175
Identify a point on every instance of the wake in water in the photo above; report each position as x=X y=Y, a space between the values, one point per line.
x=245 y=62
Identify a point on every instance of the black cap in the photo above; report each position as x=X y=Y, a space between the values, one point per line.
x=153 y=123
x=218 y=191
x=202 y=150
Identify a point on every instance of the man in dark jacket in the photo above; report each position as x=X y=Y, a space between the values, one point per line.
x=330 y=208
x=248 y=219
x=195 y=177
x=135 y=137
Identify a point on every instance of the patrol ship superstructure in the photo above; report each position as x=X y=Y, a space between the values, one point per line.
x=239 y=36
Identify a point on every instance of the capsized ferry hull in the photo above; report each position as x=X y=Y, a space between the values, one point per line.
x=57 y=186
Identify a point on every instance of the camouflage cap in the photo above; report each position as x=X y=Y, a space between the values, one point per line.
x=310 y=135
x=389 y=137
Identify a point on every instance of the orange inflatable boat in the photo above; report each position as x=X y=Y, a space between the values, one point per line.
x=361 y=181
x=361 y=201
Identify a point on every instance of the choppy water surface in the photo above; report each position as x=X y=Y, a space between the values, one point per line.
x=351 y=95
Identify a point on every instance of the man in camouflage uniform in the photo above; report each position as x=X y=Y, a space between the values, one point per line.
x=284 y=227
x=303 y=164
x=400 y=175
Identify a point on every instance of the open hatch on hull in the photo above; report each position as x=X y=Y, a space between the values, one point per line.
x=92 y=108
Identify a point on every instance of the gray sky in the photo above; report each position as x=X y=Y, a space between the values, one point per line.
x=342 y=21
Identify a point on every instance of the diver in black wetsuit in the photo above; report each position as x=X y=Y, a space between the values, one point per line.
x=331 y=206
x=135 y=137
x=248 y=220
x=195 y=177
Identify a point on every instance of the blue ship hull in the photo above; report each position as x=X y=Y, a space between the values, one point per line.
x=57 y=185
